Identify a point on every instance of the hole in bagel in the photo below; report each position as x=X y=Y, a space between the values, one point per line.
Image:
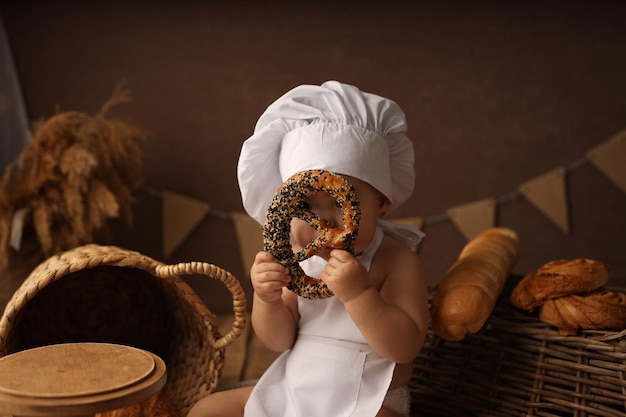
x=322 y=217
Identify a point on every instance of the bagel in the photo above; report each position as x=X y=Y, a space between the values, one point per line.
x=288 y=203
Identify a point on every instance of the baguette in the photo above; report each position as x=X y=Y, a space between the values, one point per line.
x=557 y=279
x=467 y=294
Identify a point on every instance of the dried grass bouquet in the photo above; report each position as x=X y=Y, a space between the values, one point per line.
x=78 y=171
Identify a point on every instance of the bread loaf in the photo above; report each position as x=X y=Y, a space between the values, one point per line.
x=599 y=309
x=557 y=279
x=467 y=294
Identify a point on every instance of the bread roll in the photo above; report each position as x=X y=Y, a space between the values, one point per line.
x=467 y=294
x=599 y=309
x=557 y=279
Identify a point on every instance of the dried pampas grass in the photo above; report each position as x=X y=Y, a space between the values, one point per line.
x=78 y=171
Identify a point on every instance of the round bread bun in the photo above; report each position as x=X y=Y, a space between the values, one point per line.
x=557 y=279
x=599 y=309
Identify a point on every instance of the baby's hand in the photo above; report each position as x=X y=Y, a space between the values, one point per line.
x=268 y=277
x=345 y=276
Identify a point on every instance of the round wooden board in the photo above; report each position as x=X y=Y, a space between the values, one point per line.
x=73 y=370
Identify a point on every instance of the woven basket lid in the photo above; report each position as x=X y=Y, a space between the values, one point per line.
x=109 y=294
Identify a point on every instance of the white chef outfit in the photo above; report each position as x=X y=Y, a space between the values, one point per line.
x=341 y=129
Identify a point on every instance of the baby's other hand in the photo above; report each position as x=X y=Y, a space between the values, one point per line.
x=268 y=277
x=345 y=276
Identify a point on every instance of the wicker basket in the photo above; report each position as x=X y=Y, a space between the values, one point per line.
x=107 y=294
x=519 y=366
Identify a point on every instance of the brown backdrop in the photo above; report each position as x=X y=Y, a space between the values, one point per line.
x=495 y=93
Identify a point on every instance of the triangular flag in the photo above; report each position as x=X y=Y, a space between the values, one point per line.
x=409 y=240
x=416 y=222
x=250 y=237
x=610 y=158
x=181 y=215
x=473 y=218
x=548 y=193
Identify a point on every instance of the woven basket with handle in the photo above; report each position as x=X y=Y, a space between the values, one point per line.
x=108 y=294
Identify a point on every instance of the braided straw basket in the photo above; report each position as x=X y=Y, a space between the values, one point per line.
x=519 y=366
x=108 y=294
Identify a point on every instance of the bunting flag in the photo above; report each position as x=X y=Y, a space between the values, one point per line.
x=473 y=218
x=416 y=222
x=250 y=238
x=181 y=215
x=610 y=159
x=548 y=193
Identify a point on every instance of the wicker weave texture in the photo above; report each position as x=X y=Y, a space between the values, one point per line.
x=109 y=294
x=519 y=366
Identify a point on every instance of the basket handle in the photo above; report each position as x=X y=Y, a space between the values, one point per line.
x=231 y=283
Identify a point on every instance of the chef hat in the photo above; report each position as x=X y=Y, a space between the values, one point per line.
x=335 y=127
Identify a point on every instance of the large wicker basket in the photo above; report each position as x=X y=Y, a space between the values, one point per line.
x=108 y=294
x=519 y=366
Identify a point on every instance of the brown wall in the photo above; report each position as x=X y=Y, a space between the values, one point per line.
x=495 y=93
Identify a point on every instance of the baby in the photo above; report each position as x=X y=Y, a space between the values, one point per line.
x=351 y=354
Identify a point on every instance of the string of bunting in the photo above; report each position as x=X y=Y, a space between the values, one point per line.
x=546 y=192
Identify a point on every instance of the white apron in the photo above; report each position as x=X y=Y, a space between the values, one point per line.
x=330 y=370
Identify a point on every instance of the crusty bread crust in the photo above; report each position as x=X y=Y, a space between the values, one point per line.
x=286 y=205
x=599 y=309
x=557 y=279
x=467 y=294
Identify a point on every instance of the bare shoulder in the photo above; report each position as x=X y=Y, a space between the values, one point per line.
x=404 y=282
x=395 y=263
x=396 y=255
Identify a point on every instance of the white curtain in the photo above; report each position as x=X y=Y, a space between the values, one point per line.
x=14 y=133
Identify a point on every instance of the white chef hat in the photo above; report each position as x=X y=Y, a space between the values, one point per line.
x=335 y=127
